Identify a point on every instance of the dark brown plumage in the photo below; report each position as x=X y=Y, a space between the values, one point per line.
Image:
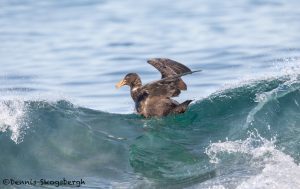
x=155 y=98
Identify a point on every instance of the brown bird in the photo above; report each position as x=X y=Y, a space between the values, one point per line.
x=155 y=98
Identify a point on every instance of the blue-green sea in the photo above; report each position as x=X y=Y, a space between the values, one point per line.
x=61 y=118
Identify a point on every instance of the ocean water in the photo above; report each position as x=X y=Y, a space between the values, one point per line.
x=62 y=118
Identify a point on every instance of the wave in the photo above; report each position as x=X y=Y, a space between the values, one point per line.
x=264 y=164
x=235 y=138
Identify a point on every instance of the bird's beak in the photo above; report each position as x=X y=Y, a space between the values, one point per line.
x=121 y=83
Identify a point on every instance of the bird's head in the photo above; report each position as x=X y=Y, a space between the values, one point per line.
x=131 y=79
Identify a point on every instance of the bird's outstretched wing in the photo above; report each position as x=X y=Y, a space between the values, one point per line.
x=168 y=86
x=169 y=68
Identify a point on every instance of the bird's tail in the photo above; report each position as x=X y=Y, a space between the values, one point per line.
x=181 y=108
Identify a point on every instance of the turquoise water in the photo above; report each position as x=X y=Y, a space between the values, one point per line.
x=61 y=117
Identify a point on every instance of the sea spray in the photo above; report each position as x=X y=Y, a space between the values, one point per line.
x=274 y=168
x=12 y=118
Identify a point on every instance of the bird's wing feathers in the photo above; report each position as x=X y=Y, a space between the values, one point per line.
x=168 y=86
x=168 y=67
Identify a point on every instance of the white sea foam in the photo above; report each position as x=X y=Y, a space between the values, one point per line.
x=275 y=169
x=12 y=118
x=13 y=112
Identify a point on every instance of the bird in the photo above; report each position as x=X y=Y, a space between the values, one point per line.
x=154 y=99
